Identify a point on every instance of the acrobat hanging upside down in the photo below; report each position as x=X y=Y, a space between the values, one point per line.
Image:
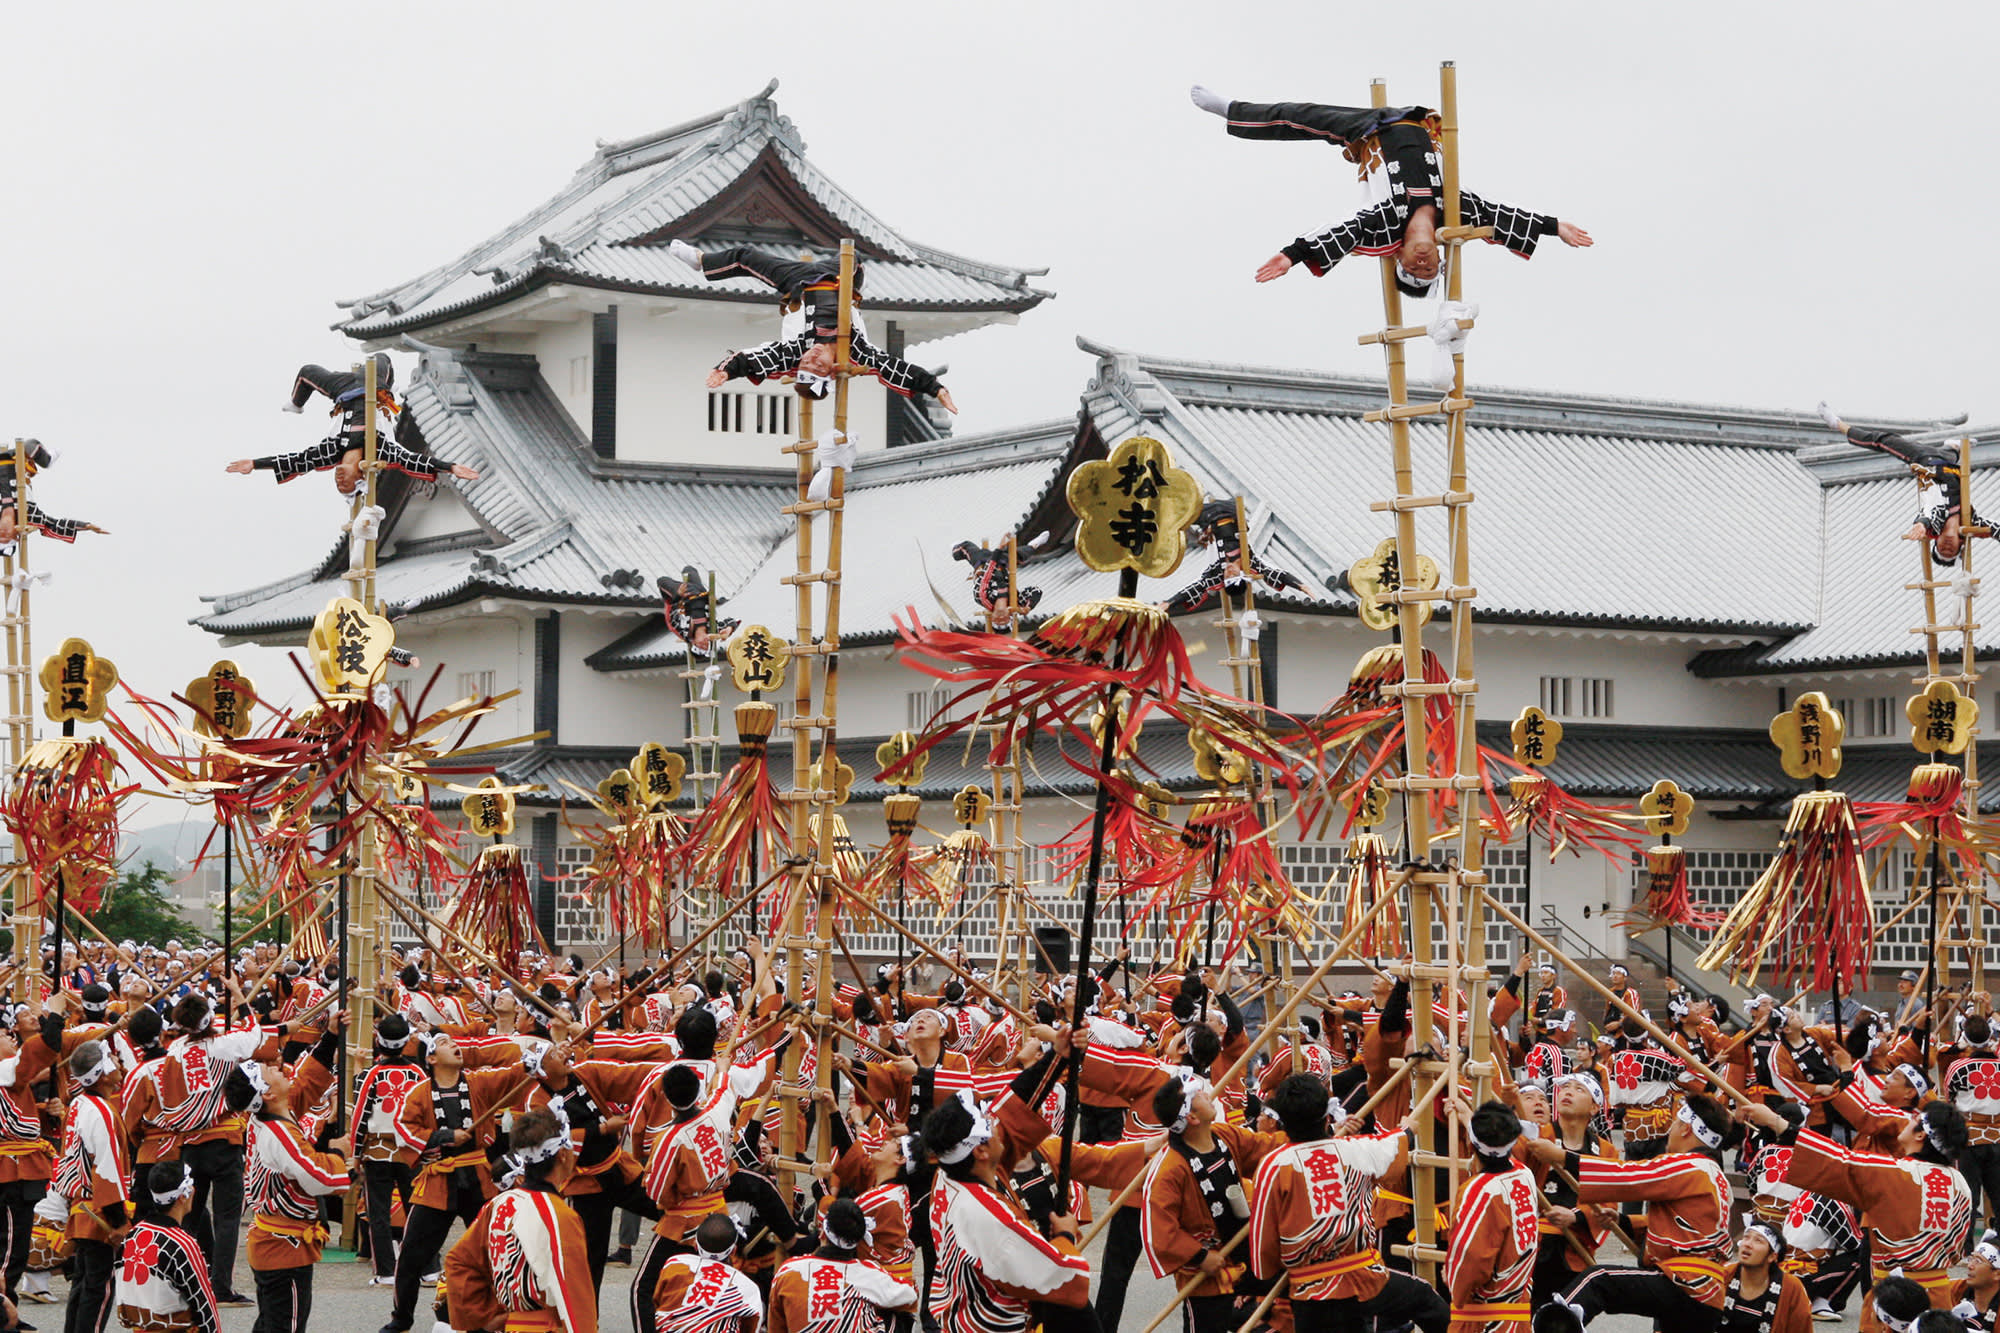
x=1216 y=526
x=809 y=301
x=402 y=446
x=35 y=457
x=687 y=609
x=1402 y=177
x=990 y=577
x=1934 y=465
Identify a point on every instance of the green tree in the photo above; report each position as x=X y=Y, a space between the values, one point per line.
x=139 y=908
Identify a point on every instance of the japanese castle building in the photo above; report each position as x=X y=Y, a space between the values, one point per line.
x=1662 y=577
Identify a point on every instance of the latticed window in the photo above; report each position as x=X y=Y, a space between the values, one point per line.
x=579 y=919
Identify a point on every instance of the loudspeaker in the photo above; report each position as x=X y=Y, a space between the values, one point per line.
x=1055 y=948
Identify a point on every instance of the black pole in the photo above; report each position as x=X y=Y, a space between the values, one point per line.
x=1128 y=586
x=340 y=954
x=56 y=977
x=1528 y=875
x=228 y=925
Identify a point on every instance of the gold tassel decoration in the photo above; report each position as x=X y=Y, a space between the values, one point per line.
x=1807 y=916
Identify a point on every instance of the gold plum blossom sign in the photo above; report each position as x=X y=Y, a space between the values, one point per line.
x=1133 y=509
x=78 y=682
x=1535 y=735
x=489 y=810
x=1808 y=737
x=1666 y=809
x=222 y=701
x=349 y=647
x=1942 y=720
x=658 y=771
x=1376 y=579
x=757 y=659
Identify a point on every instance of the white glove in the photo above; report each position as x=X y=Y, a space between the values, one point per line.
x=1447 y=339
x=840 y=453
x=684 y=252
x=1965 y=586
x=367 y=525
x=1831 y=417
x=1250 y=625
x=53 y=1208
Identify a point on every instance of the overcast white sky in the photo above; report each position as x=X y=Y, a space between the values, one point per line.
x=1786 y=199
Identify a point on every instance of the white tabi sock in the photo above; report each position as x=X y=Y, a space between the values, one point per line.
x=684 y=252
x=1209 y=100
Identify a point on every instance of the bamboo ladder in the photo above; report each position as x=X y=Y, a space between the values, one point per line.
x=26 y=922
x=1243 y=652
x=812 y=799
x=365 y=924
x=1012 y=932
x=702 y=720
x=1960 y=899
x=1457 y=889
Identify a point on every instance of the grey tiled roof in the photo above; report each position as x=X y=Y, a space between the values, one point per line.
x=599 y=231
x=1865 y=614
x=557 y=524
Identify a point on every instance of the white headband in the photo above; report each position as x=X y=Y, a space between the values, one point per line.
x=1987 y=1250
x=1915 y=1077
x=981 y=1131
x=510 y=1171
x=1190 y=1085
x=908 y=1155
x=1709 y=1138
x=547 y=1148
x=184 y=1190
x=255 y=1073
x=106 y=1063
x=1932 y=1132
x=720 y=1254
x=1587 y=1083
x=1770 y=1235
x=1893 y=1325
x=1490 y=1149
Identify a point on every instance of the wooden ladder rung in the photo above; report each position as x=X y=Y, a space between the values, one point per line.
x=820 y=576
x=1430 y=1253
x=1959 y=678
x=813 y=506
x=1404 y=334
x=1424 y=688
x=1403 y=503
x=1456 y=235
x=1944 y=629
x=813 y=797
x=805 y=723
x=1928 y=584
x=1447 y=877
x=1405 y=411
x=1446 y=594
x=1424 y=783
x=820 y=649
x=1241 y=661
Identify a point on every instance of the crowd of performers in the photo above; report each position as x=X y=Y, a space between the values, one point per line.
x=165 y=1109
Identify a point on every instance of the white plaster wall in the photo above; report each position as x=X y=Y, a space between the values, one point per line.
x=664 y=354
x=564 y=351
x=444 y=514
x=502 y=643
x=595 y=709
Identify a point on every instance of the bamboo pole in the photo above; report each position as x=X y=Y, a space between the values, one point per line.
x=1617 y=1002
x=26 y=919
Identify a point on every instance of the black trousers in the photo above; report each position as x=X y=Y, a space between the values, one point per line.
x=595 y=1210
x=1981 y=1168
x=17 y=1215
x=1553 y=1274
x=1121 y=1255
x=647 y=1276
x=386 y=1180
x=1402 y=1300
x=89 y=1287
x=217 y=1168
x=284 y=1299
x=424 y=1231
x=1223 y=1314
x=1338 y=125
x=1100 y=1124
x=1642 y=1291
x=1838 y=1273
x=1065 y=1318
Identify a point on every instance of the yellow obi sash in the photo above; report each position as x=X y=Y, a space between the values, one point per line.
x=1687 y=1266
x=1346 y=1263
x=1930 y=1279
x=298 y=1233
x=1506 y=1312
